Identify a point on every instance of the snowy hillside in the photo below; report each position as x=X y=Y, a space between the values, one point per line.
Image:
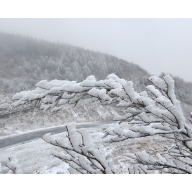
x=85 y=111
x=24 y=61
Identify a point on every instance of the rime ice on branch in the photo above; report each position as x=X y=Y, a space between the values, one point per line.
x=80 y=153
x=157 y=104
x=154 y=111
x=10 y=165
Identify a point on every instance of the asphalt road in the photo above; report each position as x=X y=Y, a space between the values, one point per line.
x=27 y=137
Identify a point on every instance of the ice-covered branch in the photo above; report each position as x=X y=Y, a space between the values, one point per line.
x=80 y=153
x=116 y=133
x=158 y=104
x=172 y=160
x=155 y=111
x=11 y=164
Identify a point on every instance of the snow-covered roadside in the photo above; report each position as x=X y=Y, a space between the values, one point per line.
x=35 y=157
x=29 y=131
x=95 y=123
x=85 y=111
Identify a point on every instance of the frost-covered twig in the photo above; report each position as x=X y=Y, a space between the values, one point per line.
x=10 y=164
x=115 y=133
x=80 y=153
x=169 y=161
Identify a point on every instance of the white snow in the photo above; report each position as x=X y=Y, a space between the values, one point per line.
x=36 y=156
x=85 y=111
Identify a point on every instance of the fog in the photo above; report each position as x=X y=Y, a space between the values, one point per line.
x=155 y=44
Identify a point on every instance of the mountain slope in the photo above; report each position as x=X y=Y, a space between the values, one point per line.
x=24 y=61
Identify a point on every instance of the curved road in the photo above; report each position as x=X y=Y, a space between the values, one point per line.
x=26 y=137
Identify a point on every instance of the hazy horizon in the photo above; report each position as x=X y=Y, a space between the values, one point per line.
x=157 y=45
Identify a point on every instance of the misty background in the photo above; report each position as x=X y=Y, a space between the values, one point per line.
x=136 y=49
x=157 y=45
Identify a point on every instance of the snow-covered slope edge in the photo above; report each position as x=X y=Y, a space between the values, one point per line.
x=85 y=111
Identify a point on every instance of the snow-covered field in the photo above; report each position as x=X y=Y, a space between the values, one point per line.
x=36 y=156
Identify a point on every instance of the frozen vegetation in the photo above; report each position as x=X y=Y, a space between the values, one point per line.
x=85 y=111
x=24 y=61
x=36 y=157
x=156 y=137
x=152 y=113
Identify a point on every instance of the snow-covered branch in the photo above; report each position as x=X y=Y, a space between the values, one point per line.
x=11 y=165
x=158 y=104
x=115 y=133
x=174 y=160
x=155 y=111
x=80 y=153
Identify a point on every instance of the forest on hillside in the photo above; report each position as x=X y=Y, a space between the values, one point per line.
x=24 y=61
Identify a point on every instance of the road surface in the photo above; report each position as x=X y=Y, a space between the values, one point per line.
x=26 y=137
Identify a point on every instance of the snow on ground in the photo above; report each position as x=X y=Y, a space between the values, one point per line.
x=32 y=120
x=116 y=151
x=36 y=156
x=47 y=128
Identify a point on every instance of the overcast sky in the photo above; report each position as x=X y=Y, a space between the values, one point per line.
x=155 y=44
